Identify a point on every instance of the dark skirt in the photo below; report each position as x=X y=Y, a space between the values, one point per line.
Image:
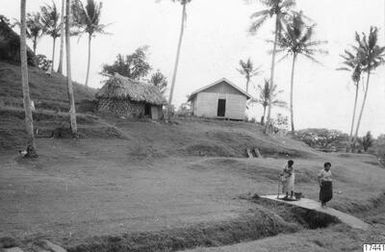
x=326 y=191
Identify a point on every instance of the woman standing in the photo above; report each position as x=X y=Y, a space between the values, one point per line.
x=288 y=177
x=326 y=185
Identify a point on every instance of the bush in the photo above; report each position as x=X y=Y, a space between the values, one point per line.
x=324 y=139
x=42 y=62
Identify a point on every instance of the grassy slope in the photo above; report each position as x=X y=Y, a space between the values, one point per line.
x=43 y=89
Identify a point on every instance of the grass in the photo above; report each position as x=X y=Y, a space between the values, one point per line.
x=46 y=92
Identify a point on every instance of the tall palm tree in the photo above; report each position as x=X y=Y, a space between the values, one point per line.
x=35 y=28
x=52 y=26
x=184 y=17
x=297 y=40
x=247 y=69
x=31 y=148
x=87 y=18
x=268 y=95
x=353 y=63
x=62 y=35
x=72 y=112
x=280 y=10
x=372 y=57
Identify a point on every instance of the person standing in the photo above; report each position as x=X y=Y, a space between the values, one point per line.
x=326 y=184
x=288 y=178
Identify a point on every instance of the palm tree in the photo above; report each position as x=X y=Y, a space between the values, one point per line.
x=87 y=18
x=372 y=57
x=184 y=17
x=267 y=95
x=280 y=9
x=61 y=57
x=72 y=112
x=353 y=63
x=52 y=26
x=35 y=28
x=159 y=80
x=297 y=40
x=31 y=148
x=247 y=69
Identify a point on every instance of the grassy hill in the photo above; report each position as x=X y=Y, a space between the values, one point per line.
x=47 y=92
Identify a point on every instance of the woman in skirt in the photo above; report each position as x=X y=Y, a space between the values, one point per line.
x=287 y=178
x=326 y=184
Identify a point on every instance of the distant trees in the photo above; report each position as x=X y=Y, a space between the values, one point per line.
x=184 y=17
x=365 y=57
x=159 y=80
x=268 y=95
x=136 y=66
x=133 y=66
x=372 y=56
x=51 y=20
x=367 y=141
x=297 y=39
x=248 y=70
x=31 y=148
x=323 y=139
x=87 y=19
x=35 y=28
x=353 y=63
x=280 y=10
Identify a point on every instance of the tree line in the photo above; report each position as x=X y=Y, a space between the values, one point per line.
x=293 y=36
x=49 y=21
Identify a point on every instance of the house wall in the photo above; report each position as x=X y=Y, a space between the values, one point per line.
x=207 y=105
x=156 y=112
x=194 y=105
x=121 y=107
x=222 y=88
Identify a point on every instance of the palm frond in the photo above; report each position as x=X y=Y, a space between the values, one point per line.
x=256 y=24
x=259 y=14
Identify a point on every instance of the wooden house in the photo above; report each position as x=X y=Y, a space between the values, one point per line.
x=125 y=97
x=221 y=99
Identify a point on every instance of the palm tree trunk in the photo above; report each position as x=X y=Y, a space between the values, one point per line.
x=71 y=99
x=89 y=59
x=292 y=93
x=354 y=116
x=263 y=117
x=267 y=127
x=362 y=108
x=31 y=148
x=34 y=45
x=60 y=68
x=53 y=53
x=247 y=84
x=177 y=54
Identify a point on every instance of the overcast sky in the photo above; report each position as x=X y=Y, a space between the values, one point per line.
x=216 y=38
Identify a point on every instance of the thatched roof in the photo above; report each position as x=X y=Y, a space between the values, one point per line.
x=122 y=87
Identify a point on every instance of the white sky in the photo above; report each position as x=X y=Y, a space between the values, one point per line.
x=216 y=39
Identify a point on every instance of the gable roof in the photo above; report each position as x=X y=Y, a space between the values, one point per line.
x=216 y=83
x=122 y=87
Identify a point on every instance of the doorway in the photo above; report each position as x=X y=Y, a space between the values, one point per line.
x=147 y=110
x=221 y=107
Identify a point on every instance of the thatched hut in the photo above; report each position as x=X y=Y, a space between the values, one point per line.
x=125 y=97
